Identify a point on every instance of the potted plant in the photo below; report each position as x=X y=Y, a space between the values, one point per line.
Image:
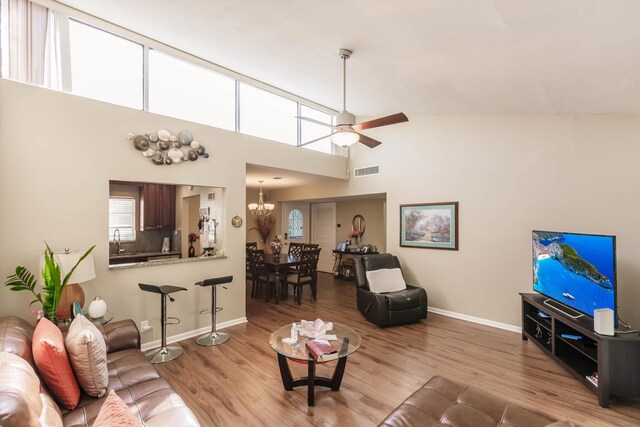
x=54 y=284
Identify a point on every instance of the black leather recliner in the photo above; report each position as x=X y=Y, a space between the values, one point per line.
x=390 y=308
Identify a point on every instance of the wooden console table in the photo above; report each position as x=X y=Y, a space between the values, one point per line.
x=615 y=359
x=340 y=269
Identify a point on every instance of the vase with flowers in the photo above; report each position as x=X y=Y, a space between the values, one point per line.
x=193 y=237
x=354 y=237
x=264 y=225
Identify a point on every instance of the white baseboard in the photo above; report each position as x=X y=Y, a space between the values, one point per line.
x=193 y=333
x=481 y=321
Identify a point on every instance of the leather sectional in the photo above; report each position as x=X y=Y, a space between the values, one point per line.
x=131 y=376
x=441 y=402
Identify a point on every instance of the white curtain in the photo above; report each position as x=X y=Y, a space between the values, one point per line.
x=57 y=56
x=27 y=41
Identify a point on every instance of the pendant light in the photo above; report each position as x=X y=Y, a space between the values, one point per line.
x=261 y=208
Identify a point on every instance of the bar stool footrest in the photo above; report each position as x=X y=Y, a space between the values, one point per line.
x=172 y=321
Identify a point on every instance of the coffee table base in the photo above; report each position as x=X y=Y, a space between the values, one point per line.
x=311 y=380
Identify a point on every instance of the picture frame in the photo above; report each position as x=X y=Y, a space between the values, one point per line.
x=429 y=225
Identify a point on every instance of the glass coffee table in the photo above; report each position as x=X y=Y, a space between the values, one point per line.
x=348 y=341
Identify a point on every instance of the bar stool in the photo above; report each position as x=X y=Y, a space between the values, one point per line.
x=164 y=353
x=214 y=337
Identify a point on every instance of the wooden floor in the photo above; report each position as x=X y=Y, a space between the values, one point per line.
x=238 y=383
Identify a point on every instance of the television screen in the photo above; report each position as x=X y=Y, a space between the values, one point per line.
x=579 y=270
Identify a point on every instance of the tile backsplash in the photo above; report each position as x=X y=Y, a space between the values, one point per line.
x=148 y=241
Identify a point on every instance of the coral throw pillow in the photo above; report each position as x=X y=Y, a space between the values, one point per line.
x=53 y=364
x=88 y=356
x=115 y=413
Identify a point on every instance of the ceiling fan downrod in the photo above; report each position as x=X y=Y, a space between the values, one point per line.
x=344 y=118
x=344 y=55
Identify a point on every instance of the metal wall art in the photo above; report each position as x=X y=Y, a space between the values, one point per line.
x=163 y=148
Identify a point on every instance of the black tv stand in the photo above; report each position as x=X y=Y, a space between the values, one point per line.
x=568 y=311
x=615 y=359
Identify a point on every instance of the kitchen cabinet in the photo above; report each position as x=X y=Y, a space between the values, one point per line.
x=158 y=206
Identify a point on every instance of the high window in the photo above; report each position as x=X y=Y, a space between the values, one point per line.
x=310 y=131
x=267 y=115
x=180 y=89
x=44 y=46
x=122 y=216
x=105 y=66
x=295 y=224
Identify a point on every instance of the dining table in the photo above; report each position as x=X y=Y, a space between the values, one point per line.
x=279 y=264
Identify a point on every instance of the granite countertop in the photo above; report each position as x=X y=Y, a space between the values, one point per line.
x=124 y=266
x=142 y=254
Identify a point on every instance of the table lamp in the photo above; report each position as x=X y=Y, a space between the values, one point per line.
x=72 y=292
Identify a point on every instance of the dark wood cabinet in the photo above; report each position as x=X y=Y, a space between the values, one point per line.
x=614 y=359
x=158 y=206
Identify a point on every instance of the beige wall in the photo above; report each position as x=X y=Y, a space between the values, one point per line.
x=511 y=174
x=372 y=210
x=57 y=155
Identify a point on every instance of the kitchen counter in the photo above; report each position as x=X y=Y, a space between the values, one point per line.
x=126 y=265
x=142 y=257
x=142 y=254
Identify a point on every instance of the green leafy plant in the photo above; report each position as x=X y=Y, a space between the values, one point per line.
x=24 y=280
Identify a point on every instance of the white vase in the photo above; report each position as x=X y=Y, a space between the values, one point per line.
x=97 y=308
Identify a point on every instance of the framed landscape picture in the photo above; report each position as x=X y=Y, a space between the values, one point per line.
x=429 y=225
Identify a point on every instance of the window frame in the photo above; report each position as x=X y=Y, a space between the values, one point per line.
x=301 y=228
x=133 y=220
x=68 y=13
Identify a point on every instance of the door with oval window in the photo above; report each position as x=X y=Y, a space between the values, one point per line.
x=295 y=224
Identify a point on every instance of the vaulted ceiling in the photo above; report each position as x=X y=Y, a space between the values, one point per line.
x=420 y=57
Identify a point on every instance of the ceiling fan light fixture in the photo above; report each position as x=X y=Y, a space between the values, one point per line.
x=345 y=138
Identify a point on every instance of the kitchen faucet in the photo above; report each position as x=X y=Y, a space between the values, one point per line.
x=117 y=242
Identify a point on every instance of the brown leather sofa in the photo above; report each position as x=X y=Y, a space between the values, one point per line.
x=441 y=402
x=133 y=378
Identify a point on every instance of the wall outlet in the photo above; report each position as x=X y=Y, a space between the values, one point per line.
x=144 y=326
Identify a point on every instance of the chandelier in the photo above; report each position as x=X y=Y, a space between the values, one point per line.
x=261 y=208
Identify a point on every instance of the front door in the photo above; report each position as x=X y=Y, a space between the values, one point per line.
x=295 y=224
x=323 y=233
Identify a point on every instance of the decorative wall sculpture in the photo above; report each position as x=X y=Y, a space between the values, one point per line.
x=163 y=148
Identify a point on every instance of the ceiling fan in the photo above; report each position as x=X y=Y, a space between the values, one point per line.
x=345 y=131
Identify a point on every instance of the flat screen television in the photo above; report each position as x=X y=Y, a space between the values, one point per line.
x=577 y=270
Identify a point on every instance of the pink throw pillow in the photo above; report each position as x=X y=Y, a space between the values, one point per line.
x=53 y=364
x=115 y=413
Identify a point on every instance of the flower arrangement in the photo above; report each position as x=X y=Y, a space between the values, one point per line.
x=193 y=237
x=355 y=234
x=264 y=225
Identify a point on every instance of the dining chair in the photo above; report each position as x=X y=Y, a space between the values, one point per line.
x=295 y=250
x=252 y=245
x=306 y=274
x=308 y=246
x=262 y=274
x=250 y=271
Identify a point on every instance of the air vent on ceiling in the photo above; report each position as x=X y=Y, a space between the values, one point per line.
x=370 y=170
x=211 y=196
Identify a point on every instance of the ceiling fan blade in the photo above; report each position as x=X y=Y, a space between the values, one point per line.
x=369 y=142
x=382 y=121
x=318 y=122
x=317 y=139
